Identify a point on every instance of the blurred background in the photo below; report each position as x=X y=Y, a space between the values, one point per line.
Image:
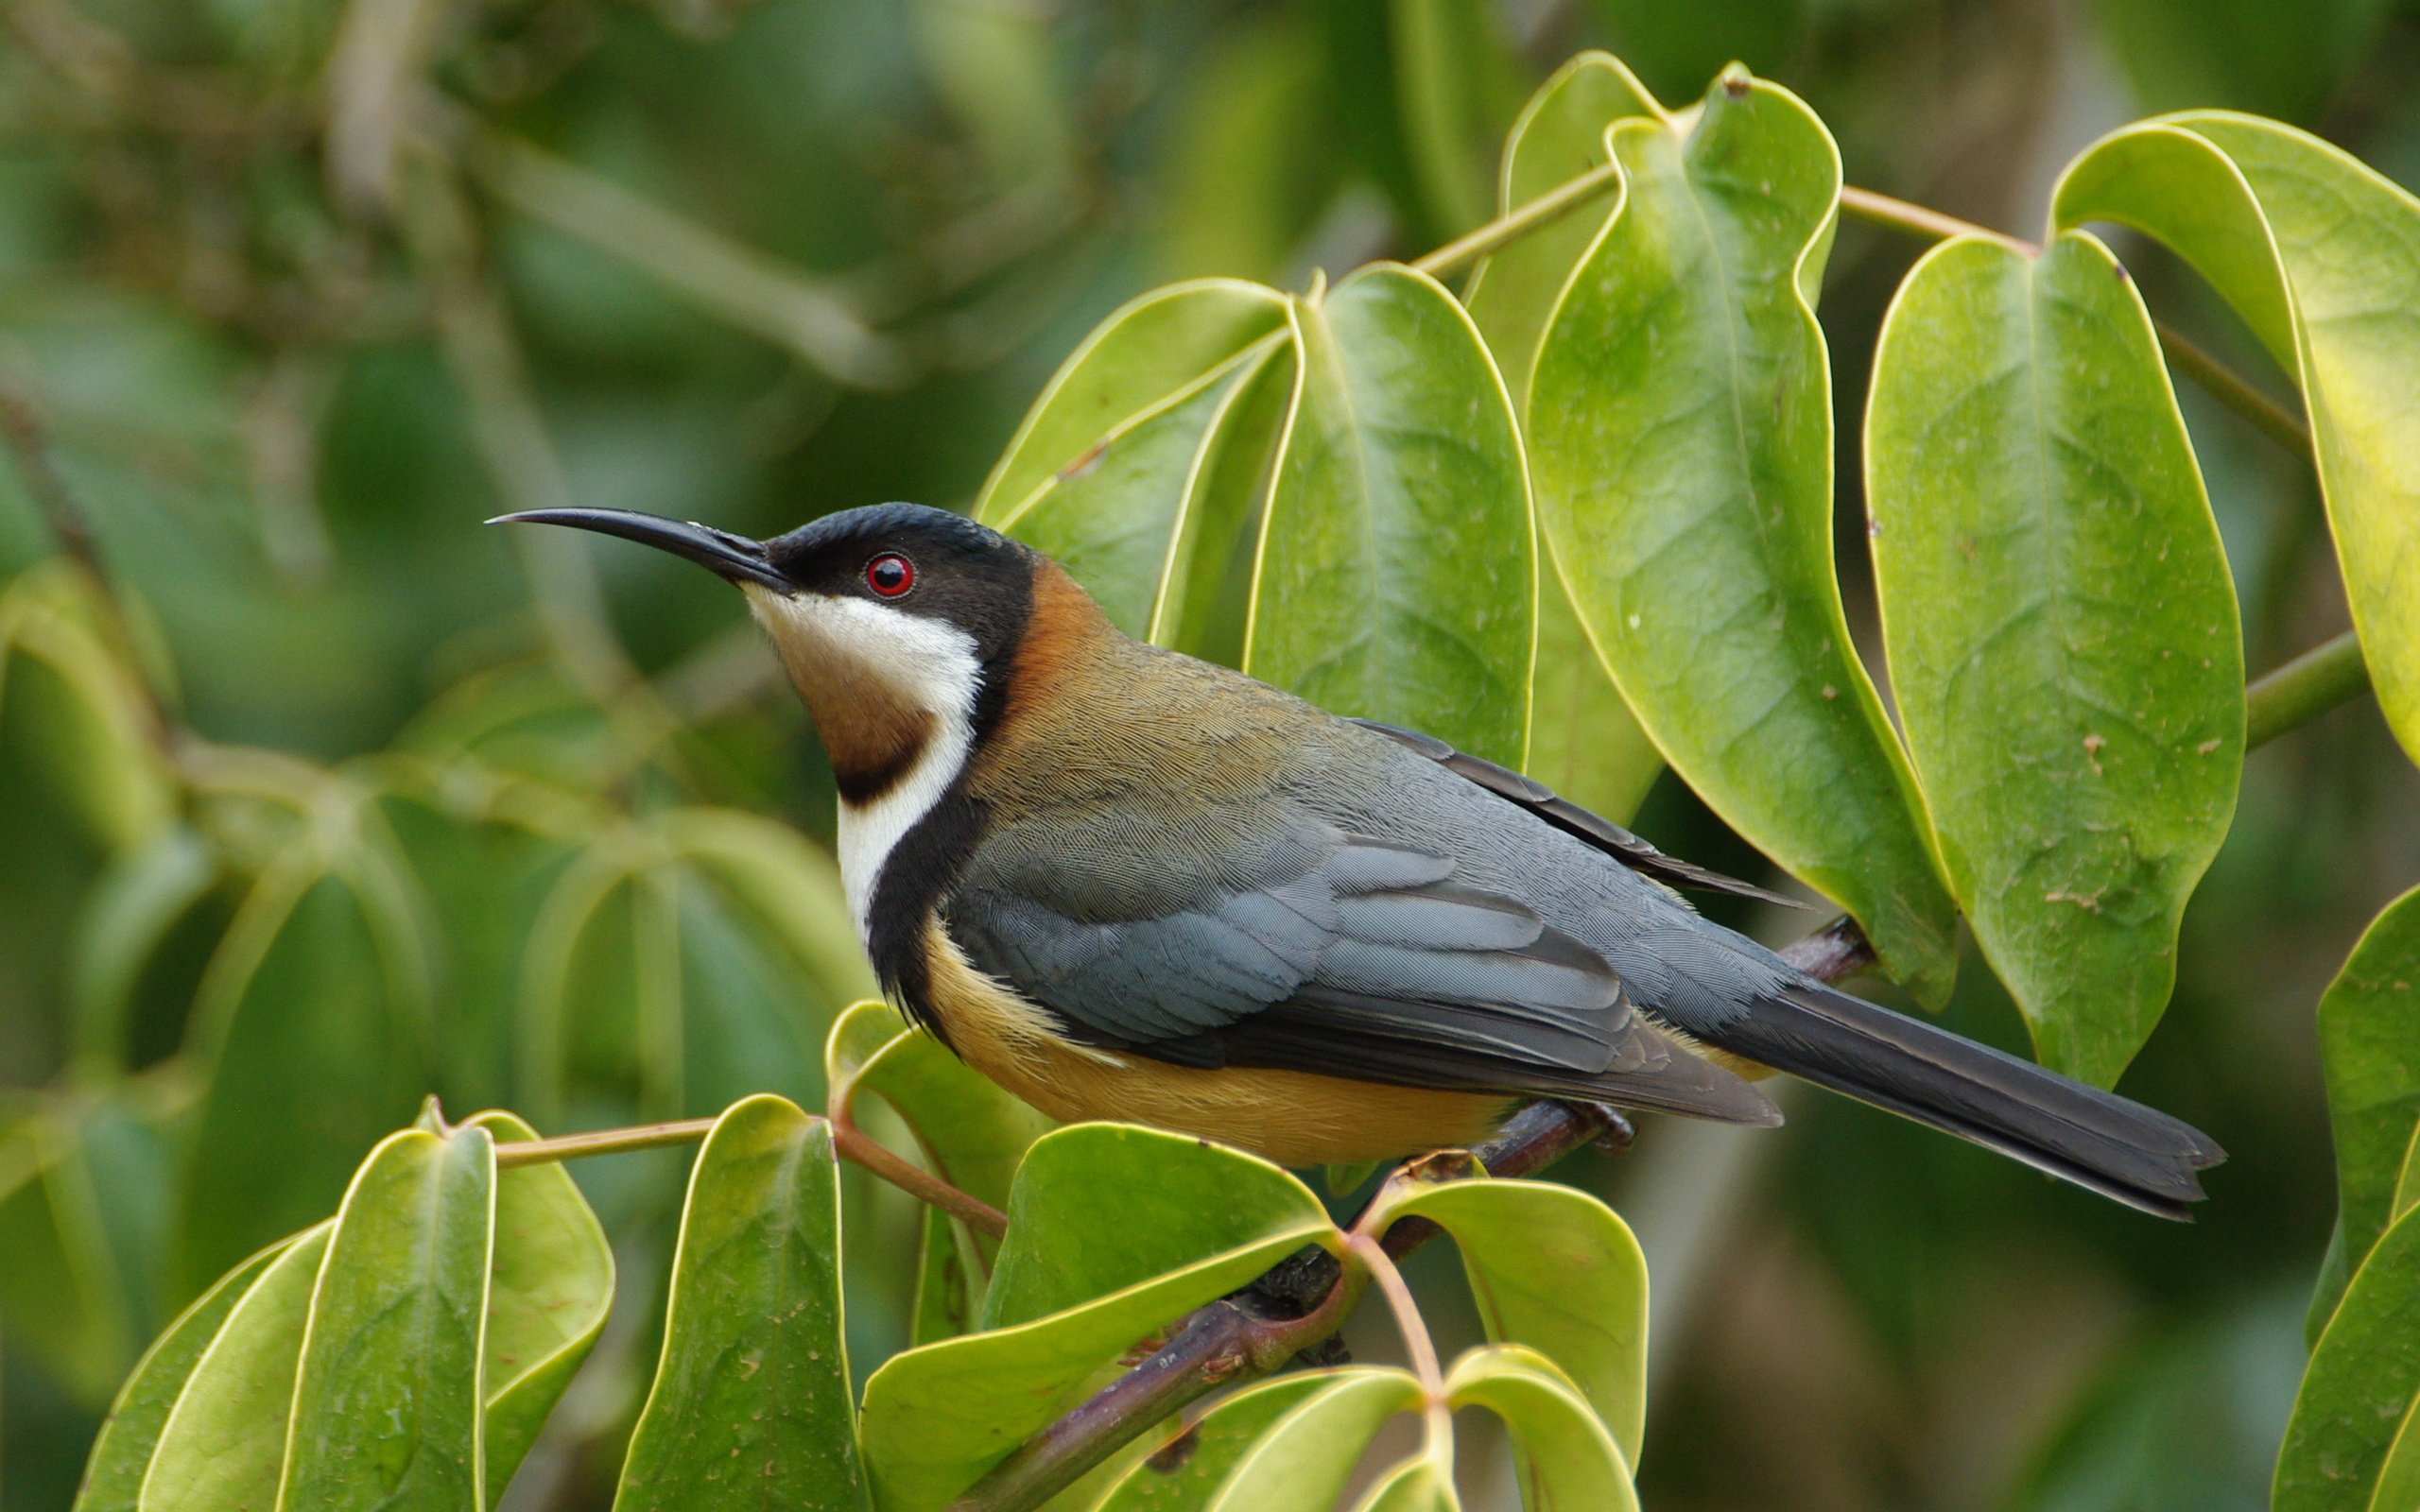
x=293 y=293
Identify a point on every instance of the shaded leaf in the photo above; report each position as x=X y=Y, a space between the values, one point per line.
x=2320 y=256
x=60 y=1297
x=122 y=1451
x=2060 y=627
x=1397 y=572
x=945 y=1300
x=224 y=1444
x=387 y=1405
x=938 y=1416
x=1183 y=1472
x=96 y=730
x=549 y=1289
x=974 y=1134
x=2369 y=1046
x=130 y=911
x=1302 y=1462
x=2365 y=1376
x=310 y=1018
x=751 y=1406
x=1679 y=424
x=2281 y=61
x=1585 y=742
x=1553 y=1268
x=1571 y=1456
x=1458 y=86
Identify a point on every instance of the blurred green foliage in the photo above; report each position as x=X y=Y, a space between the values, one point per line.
x=283 y=330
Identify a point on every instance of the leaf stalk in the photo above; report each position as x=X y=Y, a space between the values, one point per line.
x=1505 y=230
x=2303 y=689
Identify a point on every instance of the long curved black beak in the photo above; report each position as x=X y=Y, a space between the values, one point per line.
x=735 y=558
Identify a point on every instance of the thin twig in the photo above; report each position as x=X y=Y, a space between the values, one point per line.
x=2303 y=689
x=1231 y=1339
x=2214 y=378
x=1539 y=213
x=854 y=1146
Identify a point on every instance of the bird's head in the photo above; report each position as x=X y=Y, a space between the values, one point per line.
x=898 y=624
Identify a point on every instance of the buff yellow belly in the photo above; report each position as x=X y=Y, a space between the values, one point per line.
x=1291 y=1117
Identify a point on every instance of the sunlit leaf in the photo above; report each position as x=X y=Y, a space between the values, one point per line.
x=1398 y=576
x=2306 y=243
x=1568 y=1452
x=1099 y=1207
x=751 y=1406
x=1423 y=1484
x=1183 y=1473
x=387 y=1404
x=1303 y=1461
x=1553 y=1268
x=1147 y=352
x=224 y=1443
x=2369 y=1046
x=1680 y=425
x=938 y=1416
x=2060 y=627
x=122 y=1451
x=2365 y=1376
x=549 y=1288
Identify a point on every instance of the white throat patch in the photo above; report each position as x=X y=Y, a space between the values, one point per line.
x=928 y=663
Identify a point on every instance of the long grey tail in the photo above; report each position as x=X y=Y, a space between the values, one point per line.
x=2097 y=1139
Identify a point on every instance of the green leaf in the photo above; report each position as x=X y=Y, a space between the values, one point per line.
x=1585 y=742
x=1422 y=1483
x=1571 y=1458
x=549 y=1289
x=1183 y=1473
x=935 y=1418
x=974 y=1134
x=1560 y=135
x=1128 y=519
x=1676 y=48
x=310 y=1016
x=60 y=1294
x=1397 y=571
x=224 y=1444
x=2369 y=1047
x=131 y=910
x=1553 y=1268
x=1148 y=351
x=2365 y=1376
x=1098 y=1208
x=122 y=1451
x=2398 y=1479
x=97 y=731
x=751 y=1406
x=1680 y=426
x=2060 y=627
x=2283 y=61
x=1303 y=1461
x=387 y=1404
x=788 y=889
x=1458 y=86
x=945 y=1303
x=2301 y=238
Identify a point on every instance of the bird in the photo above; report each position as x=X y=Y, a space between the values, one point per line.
x=1126 y=883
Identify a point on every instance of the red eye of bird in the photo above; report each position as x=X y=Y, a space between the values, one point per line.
x=890 y=574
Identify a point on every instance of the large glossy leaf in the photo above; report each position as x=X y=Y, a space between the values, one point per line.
x=312 y=1017
x=2365 y=1376
x=1098 y=1208
x=122 y=1451
x=549 y=1289
x=1183 y=1472
x=2318 y=254
x=1680 y=425
x=938 y=1416
x=1148 y=351
x=388 y=1407
x=1553 y=1268
x=2369 y=1045
x=1302 y=1463
x=1397 y=572
x=224 y=1442
x=1573 y=1462
x=1560 y=135
x=2060 y=627
x=751 y=1406
x=1585 y=742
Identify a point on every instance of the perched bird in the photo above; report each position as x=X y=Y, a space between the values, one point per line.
x=1126 y=883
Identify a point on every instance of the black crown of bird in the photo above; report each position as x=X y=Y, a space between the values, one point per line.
x=1126 y=883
